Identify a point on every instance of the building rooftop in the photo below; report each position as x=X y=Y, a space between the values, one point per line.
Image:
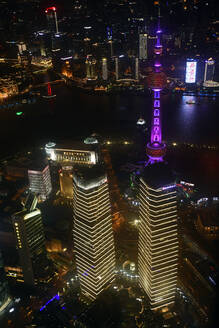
x=89 y=177
x=72 y=145
x=158 y=175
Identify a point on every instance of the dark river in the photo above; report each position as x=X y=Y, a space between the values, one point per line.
x=74 y=113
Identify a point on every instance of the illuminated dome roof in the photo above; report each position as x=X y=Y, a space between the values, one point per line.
x=90 y=141
x=140 y=121
x=50 y=145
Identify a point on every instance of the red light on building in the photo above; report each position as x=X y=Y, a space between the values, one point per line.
x=50 y=8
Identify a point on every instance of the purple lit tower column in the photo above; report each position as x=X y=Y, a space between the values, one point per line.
x=156 y=149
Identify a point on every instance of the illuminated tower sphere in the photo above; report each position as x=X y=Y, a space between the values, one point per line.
x=30 y=242
x=156 y=149
x=93 y=234
x=158 y=241
x=4 y=293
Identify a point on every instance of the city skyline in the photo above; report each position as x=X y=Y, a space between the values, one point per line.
x=109 y=193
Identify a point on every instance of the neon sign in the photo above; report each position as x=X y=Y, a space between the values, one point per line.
x=191 y=67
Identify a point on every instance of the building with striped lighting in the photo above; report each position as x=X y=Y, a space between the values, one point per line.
x=158 y=240
x=93 y=234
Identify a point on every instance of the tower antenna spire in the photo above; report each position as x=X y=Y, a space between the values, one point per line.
x=156 y=149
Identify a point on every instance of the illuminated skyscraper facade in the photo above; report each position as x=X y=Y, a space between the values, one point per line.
x=4 y=294
x=104 y=69
x=40 y=181
x=143 y=51
x=93 y=235
x=158 y=239
x=30 y=242
x=66 y=181
x=91 y=73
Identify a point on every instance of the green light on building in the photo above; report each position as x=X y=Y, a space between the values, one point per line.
x=19 y=113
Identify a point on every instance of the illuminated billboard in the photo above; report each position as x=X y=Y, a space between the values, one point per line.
x=191 y=66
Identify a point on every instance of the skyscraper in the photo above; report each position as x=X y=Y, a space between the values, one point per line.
x=158 y=240
x=91 y=68
x=104 y=69
x=52 y=19
x=209 y=70
x=93 y=235
x=30 y=242
x=66 y=181
x=40 y=181
x=4 y=293
x=143 y=51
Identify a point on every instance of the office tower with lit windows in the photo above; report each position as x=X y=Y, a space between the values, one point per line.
x=158 y=238
x=93 y=234
x=104 y=69
x=30 y=242
x=158 y=241
x=40 y=181
x=143 y=51
x=5 y=298
x=66 y=181
x=91 y=73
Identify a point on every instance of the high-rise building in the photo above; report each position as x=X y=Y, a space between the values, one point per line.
x=52 y=19
x=5 y=298
x=30 y=242
x=137 y=69
x=93 y=234
x=91 y=73
x=143 y=39
x=117 y=67
x=209 y=70
x=191 y=69
x=158 y=239
x=40 y=181
x=104 y=69
x=66 y=181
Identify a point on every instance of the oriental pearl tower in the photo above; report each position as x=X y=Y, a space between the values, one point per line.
x=156 y=149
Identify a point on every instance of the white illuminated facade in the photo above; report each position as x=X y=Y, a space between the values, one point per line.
x=104 y=69
x=77 y=154
x=93 y=234
x=143 y=46
x=191 y=67
x=158 y=239
x=40 y=182
x=30 y=240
